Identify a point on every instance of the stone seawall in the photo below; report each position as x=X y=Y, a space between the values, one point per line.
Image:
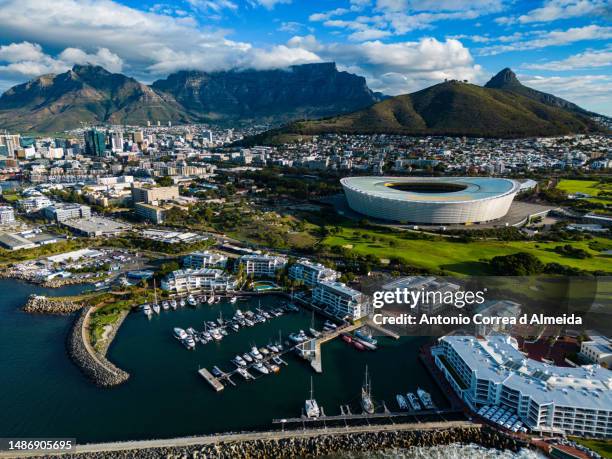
x=304 y=444
x=38 y=304
x=94 y=365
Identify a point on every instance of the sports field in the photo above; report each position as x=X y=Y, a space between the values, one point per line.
x=461 y=257
x=590 y=187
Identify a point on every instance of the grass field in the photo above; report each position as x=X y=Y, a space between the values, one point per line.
x=590 y=187
x=603 y=447
x=460 y=257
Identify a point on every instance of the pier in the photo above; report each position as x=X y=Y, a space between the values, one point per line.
x=214 y=382
x=346 y=415
x=311 y=349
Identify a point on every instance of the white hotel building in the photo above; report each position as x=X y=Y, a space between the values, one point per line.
x=547 y=398
x=311 y=273
x=262 y=265
x=188 y=280
x=205 y=259
x=339 y=300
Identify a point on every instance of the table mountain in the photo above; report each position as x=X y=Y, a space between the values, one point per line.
x=297 y=92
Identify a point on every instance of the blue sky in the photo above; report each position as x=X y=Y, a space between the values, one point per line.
x=559 y=46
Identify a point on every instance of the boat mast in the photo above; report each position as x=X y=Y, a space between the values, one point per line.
x=155 y=291
x=311 y=389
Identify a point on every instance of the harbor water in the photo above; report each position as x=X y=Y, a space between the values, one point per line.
x=43 y=394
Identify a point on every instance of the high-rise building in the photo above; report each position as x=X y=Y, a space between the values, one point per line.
x=11 y=142
x=95 y=142
x=7 y=215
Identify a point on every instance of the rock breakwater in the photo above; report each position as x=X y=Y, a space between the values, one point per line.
x=318 y=444
x=93 y=364
x=38 y=304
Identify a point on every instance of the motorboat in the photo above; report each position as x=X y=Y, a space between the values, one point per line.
x=147 y=310
x=425 y=399
x=414 y=401
x=165 y=305
x=189 y=343
x=239 y=361
x=156 y=308
x=179 y=333
x=247 y=357
x=255 y=353
x=273 y=348
x=365 y=337
x=261 y=368
x=298 y=337
x=233 y=299
x=191 y=301
x=173 y=304
x=182 y=303
x=330 y=324
x=401 y=402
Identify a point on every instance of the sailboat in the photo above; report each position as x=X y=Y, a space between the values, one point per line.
x=311 y=405
x=155 y=305
x=315 y=333
x=366 y=395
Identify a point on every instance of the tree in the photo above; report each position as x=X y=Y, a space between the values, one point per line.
x=517 y=264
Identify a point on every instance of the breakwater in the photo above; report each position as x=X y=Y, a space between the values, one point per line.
x=304 y=443
x=39 y=304
x=92 y=363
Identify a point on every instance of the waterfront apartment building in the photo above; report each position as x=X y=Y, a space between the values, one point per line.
x=598 y=349
x=261 y=265
x=150 y=194
x=205 y=259
x=339 y=300
x=311 y=273
x=546 y=398
x=60 y=212
x=189 y=280
x=7 y=215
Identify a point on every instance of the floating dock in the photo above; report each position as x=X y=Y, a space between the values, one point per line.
x=214 y=382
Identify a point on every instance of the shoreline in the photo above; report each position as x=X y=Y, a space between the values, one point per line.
x=7 y=273
x=41 y=304
x=296 y=443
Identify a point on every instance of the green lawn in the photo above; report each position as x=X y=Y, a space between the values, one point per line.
x=603 y=447
x=460 y=257
x=591 y=187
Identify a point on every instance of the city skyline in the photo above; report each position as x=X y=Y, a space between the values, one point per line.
x=558 y=46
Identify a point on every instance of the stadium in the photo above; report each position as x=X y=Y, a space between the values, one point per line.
x=430 y=200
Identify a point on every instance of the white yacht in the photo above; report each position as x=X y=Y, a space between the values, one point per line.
x=179 y=333
x=156 y=308
x=366 y=395
x=192 y=301
x=425 y=399
x=414 y=401
x=189 y=342
x=233 y=299
x=259 y=367
x=147 y=310
x=182 y=303
x=247 y=357
x=239 y=361
x=173 y=304
x=165 y=305
x=255 y=353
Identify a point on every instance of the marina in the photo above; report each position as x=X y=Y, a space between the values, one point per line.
x=163 y=371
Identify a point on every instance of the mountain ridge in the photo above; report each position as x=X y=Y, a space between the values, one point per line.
x=502 y=108
x=91 y=94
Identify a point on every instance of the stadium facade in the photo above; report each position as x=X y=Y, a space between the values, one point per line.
x=431 y=200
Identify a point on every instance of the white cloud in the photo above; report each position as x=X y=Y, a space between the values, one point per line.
x=594 y=92
x=270 y=4
x=587 y=59
x=215 y=6
x=396 y=68
x=545 y=39
x=316 y=17
x=290 y=27
x=26 y=60
x=554 y=10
